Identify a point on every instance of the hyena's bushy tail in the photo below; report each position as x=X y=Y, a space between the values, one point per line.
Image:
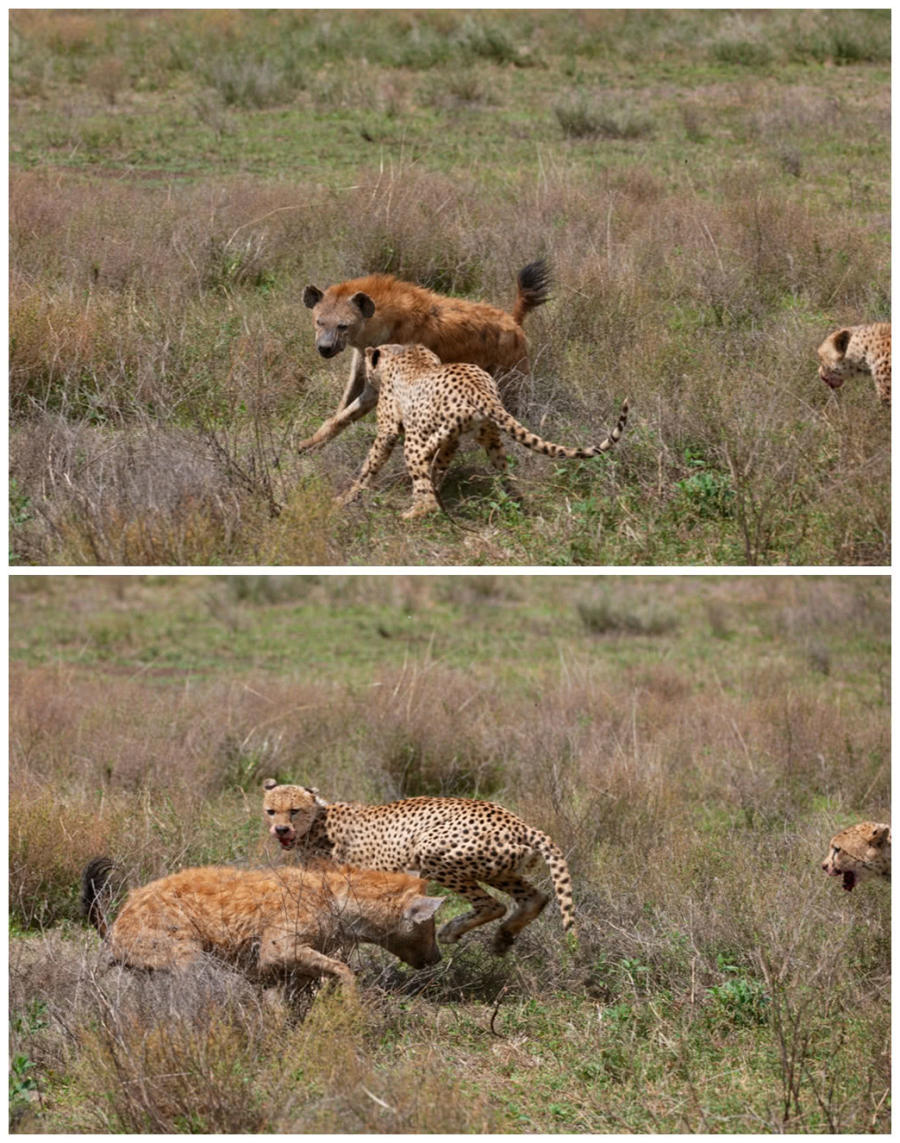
x=518 y=432
x=533 y=282
x=559 y=875
x=98 y=892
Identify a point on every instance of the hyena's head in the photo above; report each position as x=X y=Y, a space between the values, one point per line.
x=289 y=811
x=411 y=359
x=834 y=364
x=339 y=318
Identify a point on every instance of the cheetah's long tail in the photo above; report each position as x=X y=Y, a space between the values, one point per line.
x=559 y=875
x=518 y=432
x=97 y=892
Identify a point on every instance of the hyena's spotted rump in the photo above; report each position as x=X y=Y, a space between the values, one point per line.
x=380 y=308
x=457 y=842
x=272 y=924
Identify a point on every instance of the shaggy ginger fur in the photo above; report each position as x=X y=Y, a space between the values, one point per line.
x=267 y=922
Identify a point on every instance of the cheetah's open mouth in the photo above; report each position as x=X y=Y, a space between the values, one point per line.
x=849 y=879
x=286 y=842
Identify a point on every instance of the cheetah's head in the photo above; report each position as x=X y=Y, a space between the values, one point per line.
x=289 y=811
x=834 y=365
x=859 y=852
x=412 y=358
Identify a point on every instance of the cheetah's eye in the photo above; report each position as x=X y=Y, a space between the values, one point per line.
x=295 y=812
x=271 y=813
x=836 y=849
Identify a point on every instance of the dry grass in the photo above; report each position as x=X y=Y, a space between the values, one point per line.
x=697 y=267
x=691 y=751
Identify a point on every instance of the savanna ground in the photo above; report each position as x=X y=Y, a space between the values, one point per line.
x=691 y=744
x=711 y=188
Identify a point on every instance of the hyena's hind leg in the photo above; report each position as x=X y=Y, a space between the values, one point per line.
x=490 y=439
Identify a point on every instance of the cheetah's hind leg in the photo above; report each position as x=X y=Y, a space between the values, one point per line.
x=530 y=904
x=485 y=907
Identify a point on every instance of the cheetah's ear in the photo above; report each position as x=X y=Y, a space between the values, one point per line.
x=372 y=355
x=312 y=295
x=878 y=836
x=363 y=303
x=269 y=784
x=840 y=340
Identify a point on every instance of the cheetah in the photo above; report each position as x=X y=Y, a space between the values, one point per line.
x=859 y=852
x=275 y=924
x=433 y=405
x=457 y=842
x=857 y=350
x=380 y=308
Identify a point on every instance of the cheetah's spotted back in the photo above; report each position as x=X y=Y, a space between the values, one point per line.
x=457 y=842
x=433 y=405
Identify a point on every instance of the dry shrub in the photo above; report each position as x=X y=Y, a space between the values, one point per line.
x=146 y=495
x=432 y=733
x=701 y=301
x=170 y=1053
x=51 y=839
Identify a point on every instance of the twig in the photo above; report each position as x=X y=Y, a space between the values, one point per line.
x=380 y=1102
x=496 y=1010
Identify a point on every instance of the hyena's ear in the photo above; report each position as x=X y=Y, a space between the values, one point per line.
x=312 y=295
x=840 y=340
x=363 y=303
x=422 y=909
x=269 y=784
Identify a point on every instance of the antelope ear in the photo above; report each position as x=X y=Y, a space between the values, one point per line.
x=422 y=909
x=312 y=295
x=364 y=304
x=269 y=784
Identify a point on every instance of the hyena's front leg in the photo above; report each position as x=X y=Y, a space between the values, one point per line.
x=358 y=398
x=356 y=382
x=281 y=951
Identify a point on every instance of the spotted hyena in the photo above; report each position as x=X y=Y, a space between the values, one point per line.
x=380 y=308
x=273 y=924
